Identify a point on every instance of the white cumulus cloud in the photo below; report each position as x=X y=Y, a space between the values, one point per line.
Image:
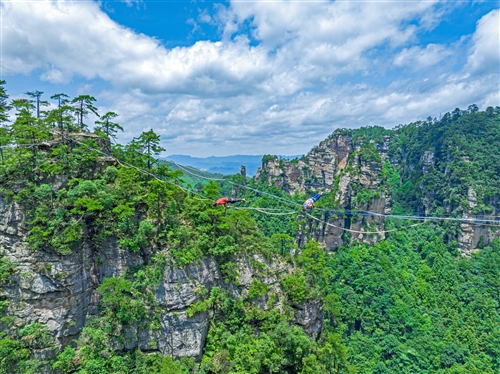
x=485 y=56
x=282 y=76
x=417 y=57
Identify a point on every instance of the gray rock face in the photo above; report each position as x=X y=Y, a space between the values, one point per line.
x=181 y=336
x=310 y=317
x=473 y=236
x=11 y=222
x=318 y=170
x=337 y=165
x=60 y=291
x=427 y=161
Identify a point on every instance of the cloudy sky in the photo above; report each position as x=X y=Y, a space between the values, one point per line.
x=255 y=77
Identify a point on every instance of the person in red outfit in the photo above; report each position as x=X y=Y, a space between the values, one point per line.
x=227 y=200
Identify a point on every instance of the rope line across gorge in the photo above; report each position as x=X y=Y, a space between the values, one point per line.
x=234 y=183
x=364 y=232
x=263 y=210
x=267 y=212
x=361 y=213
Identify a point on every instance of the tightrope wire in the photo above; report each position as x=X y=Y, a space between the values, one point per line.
x=363 y=232
x=262 y=210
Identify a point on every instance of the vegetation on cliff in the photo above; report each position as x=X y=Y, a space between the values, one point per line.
x=411 y=303
x=407 y=304
x=72 y=194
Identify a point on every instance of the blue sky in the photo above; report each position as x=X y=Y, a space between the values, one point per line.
x=222 y=78
x=172 y=22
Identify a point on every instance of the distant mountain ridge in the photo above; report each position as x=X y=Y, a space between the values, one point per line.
x=222 y=165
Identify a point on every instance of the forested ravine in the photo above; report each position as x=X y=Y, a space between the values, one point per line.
x=111 y=263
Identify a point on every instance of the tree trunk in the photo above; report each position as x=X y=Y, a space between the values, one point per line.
x=81 y=116
x=149 y=156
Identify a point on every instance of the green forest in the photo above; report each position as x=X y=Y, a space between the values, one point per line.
x=407 y=304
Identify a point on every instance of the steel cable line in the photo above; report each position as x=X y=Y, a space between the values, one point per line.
x=192 y=173
x=443 y=218
x=236 y=184
x=414 y=214
x=267 y=212
x=361 y=213
x=358 y=213
x=432 y=218
x=275 y=209
x=363 y=232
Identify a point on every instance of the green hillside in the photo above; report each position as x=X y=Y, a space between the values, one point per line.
x=406 y=303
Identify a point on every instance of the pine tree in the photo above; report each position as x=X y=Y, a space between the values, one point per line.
x=62 y=116
x=106 y=127
x=148 y=146
x=26 y=129
x=83 y=107
x=35 y=95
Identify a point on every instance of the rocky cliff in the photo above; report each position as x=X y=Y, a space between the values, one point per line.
x=75 y=223
x=60 y=291
x=351 y=172
x=377 y=170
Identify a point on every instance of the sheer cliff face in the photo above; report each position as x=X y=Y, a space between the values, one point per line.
x=327 y=166
x=353 y=172
x=318 y=170
x=59 y=291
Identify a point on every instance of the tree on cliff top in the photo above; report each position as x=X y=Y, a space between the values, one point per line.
x=83 y=107
x=148 y=147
